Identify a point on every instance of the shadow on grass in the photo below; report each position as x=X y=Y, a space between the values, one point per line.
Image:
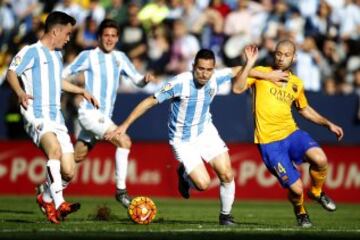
x=15 y=211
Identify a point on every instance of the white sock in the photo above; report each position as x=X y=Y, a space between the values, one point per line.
x=54 y=179
x=227 y=196
x=47 y=194
x=121 y=163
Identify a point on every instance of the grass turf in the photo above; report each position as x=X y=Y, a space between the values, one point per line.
x=20 y=218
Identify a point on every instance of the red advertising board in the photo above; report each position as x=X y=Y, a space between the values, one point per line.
x=152 y=171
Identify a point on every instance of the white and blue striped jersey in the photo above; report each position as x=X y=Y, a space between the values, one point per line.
x=40 y=71
x=102 y=75
x=190 y=105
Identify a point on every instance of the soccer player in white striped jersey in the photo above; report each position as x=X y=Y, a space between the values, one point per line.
x=40 y=66
x=193 y=137
x=103 y=68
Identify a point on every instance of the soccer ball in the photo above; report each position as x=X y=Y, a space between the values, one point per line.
x=142 y=210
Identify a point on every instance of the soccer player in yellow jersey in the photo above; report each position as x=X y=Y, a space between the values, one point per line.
x=281 y=143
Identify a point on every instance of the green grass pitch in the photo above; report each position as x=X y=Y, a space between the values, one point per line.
x=20 y=218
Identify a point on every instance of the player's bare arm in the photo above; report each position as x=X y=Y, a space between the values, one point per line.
x=138 y=111
x=72 y=88
x=310 y=114
x=250 y=56
x=14 y=83
x=277 y=76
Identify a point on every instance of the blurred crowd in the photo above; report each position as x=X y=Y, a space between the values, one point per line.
x=162 y=36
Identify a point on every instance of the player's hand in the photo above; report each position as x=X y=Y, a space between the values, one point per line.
x=90 y=98
x=118 y=131
x=24 y=99
x=278 y=77
x=149 y=78
x=337 y=130
x=250 y=54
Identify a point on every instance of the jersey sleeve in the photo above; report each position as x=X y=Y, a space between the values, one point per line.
x=128 y=70
x=23 y=60
x=170 y=90
x=223 y=76
x=81 y=63
x=251 y=80
x=301 y=101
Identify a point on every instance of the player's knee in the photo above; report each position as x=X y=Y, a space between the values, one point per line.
x=321 y=161
x=68 y=173
x=227 y=177
x=297 y=188
x=55 y=153
x=123 y=141
x=202 y=185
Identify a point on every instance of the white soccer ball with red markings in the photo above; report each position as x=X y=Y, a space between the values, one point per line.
x=142 y=210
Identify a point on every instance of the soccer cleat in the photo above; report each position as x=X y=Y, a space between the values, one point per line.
x=226 y=219
x=123 y=197
x=325 y=201
x=183 y=185
x=48 y=209
x=39 y=198
x=303 y=220
x=66 y=208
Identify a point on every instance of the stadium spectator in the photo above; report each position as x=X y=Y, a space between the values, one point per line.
x=190 y=13
x=103 y=67
x=96 y=11
x=72 y=8
x=117 y=11
x=330 y=86
x=307 y=65
x=154 y=12
x=7 y=24
x=86 y=34
x=281 y=143
x=133 y=38
x=40 y=107
x=209 y=29
x=192 y=135
x=183 y=49
x=158 y=50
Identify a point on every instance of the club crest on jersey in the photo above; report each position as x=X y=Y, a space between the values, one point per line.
x=211 y=92
x=295 y=88
x=167 y=87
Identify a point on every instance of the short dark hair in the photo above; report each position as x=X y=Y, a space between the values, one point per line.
x=107 y=23
x=57 y=17
x=204 y=54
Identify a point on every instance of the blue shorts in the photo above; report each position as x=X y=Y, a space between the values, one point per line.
x=280 y=157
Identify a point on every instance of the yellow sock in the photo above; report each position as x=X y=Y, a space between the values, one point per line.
x=318 y=177
x=298 y=203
